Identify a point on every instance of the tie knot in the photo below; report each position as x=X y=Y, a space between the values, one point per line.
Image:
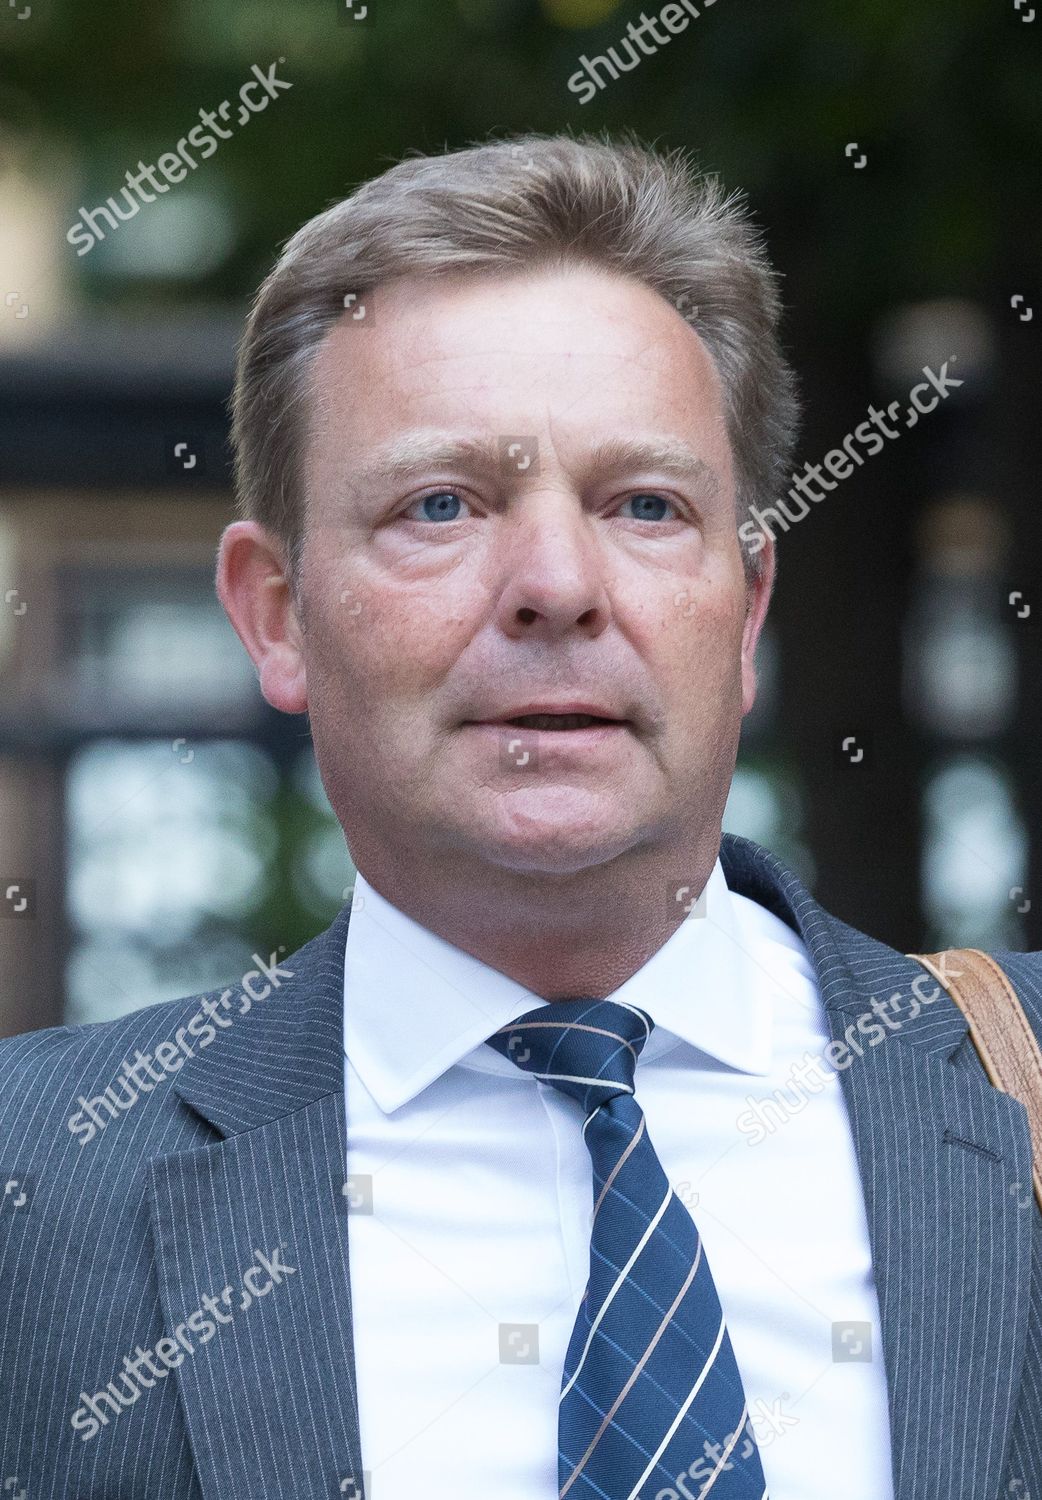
x=586 y=1048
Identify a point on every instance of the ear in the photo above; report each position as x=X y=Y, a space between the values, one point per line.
x=758 y=597
x=253 y=585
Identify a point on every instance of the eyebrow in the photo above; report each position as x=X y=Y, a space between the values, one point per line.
x=405 y=456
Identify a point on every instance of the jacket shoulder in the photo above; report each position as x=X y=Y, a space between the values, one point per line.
x=44 y=1075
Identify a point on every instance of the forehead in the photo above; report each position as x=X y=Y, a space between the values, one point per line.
x=575 y=347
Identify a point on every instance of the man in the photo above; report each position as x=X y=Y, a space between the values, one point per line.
x=656 y=1179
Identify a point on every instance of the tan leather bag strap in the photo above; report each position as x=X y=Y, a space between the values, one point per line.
x=999 y=1030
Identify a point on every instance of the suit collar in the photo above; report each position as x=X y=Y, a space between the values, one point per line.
x=288 y=1052
x=285 y=1054
x=852 y=968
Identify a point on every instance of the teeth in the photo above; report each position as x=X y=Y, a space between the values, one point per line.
x=557 y=721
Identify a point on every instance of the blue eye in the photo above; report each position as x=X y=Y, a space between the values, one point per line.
x=442 y=505
x=646 y=506
x=445 y=505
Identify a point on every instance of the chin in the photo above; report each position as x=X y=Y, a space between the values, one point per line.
x=559 y=830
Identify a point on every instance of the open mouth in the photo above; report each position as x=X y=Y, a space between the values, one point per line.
x=561 y=721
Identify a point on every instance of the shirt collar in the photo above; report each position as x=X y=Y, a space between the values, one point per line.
x=415 y=1005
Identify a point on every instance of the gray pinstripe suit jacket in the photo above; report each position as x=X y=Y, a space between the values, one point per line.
x=242 y=1150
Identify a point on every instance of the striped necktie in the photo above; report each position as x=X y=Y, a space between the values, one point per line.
x=652 y=1404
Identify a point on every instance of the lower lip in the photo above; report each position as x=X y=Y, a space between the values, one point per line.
x=580 y=739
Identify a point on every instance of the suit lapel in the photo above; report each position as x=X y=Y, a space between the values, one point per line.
x=270 y=1397
x=944 y=1160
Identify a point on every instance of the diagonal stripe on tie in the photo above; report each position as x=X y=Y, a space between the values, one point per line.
x=652 y=1404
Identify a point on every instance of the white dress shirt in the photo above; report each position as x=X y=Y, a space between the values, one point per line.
x=471 y=1194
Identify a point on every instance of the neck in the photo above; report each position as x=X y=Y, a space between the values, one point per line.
x=581 y=933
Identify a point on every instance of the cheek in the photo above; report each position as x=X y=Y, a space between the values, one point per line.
x=386 y=647
x=704 y=663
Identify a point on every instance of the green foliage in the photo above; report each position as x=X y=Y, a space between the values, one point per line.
x=943 y=98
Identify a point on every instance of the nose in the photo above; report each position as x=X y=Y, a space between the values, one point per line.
x=553 y=569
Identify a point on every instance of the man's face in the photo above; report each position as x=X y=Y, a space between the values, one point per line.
x=520 y=500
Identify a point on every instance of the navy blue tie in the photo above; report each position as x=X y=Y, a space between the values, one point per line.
x=651 y=1392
